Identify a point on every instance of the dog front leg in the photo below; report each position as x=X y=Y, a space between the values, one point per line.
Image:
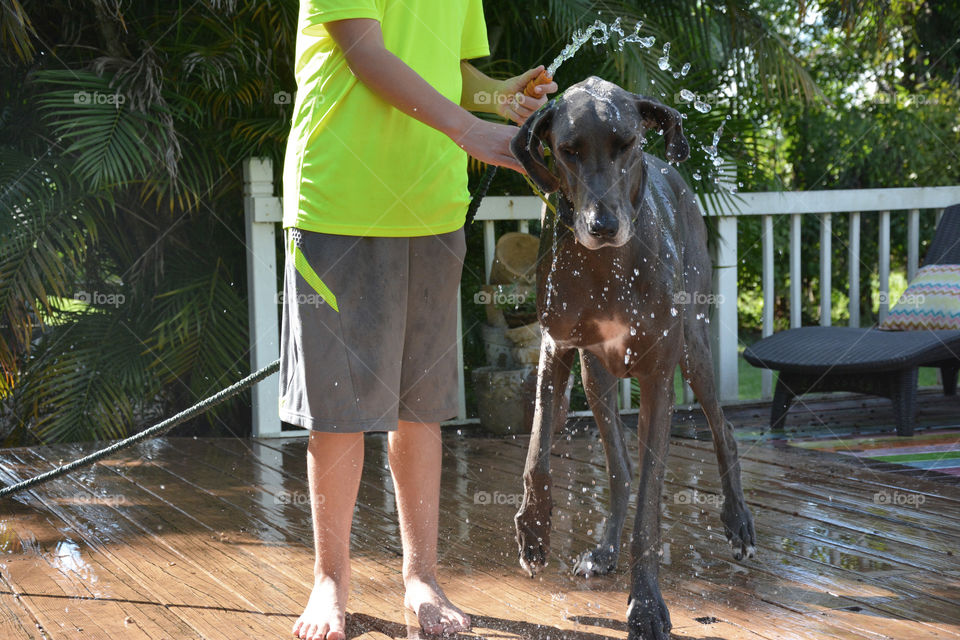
x=647 y=615
x=533 y=519
x=601 y=388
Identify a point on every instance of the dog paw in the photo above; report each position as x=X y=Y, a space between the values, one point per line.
x=647 y=615
x=738 y=526
x=596 y=562
x=533 y=534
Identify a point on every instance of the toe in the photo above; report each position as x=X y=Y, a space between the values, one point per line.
x=336 y=632
x=455 y=621
x=429 y=617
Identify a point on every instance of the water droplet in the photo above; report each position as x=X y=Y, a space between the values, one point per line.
x=664 y=61
x=685 y=69
x=701 y=106
x=686 y=95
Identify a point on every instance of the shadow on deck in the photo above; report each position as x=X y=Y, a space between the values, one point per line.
x=210 y=538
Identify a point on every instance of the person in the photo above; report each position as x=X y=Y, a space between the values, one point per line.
x=375 y=195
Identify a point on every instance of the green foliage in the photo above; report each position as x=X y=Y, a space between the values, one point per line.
x=122 y=131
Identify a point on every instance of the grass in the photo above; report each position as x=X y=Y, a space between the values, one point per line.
x=750 y=381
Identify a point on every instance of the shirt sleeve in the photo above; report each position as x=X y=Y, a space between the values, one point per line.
x=313 y=13
x=473 y=42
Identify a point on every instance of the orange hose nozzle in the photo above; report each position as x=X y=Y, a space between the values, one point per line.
x=543 y=78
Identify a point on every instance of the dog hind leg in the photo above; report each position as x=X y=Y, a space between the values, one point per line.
x=697 y=367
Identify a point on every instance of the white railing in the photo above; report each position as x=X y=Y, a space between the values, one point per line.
x=262 y=213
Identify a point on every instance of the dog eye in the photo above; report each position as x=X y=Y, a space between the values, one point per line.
x=566 y=151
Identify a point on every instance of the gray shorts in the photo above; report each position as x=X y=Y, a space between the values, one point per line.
x=369 y=330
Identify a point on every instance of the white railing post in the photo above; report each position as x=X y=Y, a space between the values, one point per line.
x=766 y=375
x=461 y=376
x=883 y=252
x=826 y=267
x=724 y=324
x=853 y=307
x=261 y=212
x=796 y=308
x=489 y=248
x=913 y=243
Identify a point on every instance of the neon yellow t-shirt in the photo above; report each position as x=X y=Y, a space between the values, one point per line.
x=354 y=164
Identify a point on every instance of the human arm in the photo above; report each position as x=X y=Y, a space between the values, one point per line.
x=361 y=41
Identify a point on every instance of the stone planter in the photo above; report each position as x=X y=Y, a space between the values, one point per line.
x=497 y=348
x=504 y=398
x=526 y=343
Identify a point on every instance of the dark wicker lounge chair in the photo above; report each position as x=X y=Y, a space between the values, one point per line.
x=880 y=363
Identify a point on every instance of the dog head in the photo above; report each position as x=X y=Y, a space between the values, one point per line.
x=595 y=132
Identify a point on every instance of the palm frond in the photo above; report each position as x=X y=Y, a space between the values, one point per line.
x=112 y=143
x=16 y=31
x=85 y=381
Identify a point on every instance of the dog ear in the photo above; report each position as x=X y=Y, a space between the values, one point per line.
x=663 y=118
x=526 y=147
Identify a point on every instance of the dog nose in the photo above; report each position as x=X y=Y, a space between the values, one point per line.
x=603 y=227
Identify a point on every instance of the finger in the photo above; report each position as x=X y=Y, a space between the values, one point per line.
x=531 y=104
x=514 y=114
x=546 y=89
x=531 y=74
x=511 y=163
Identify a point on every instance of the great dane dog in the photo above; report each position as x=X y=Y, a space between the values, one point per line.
x=624 y=278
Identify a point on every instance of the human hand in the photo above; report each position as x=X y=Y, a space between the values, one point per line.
x=488 y=142
x=511 y=101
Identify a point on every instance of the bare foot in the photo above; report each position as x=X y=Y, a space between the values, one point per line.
x=435 y=613
x=323 y=618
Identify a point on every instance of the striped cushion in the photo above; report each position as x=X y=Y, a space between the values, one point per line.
x=932 y=301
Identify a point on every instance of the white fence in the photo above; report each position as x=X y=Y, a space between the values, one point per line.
x=262 y=213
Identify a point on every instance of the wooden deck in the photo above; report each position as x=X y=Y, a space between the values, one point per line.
x=209 y=538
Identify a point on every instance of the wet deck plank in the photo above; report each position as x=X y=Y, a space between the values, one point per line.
x=211 y=538
x=15 y=623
